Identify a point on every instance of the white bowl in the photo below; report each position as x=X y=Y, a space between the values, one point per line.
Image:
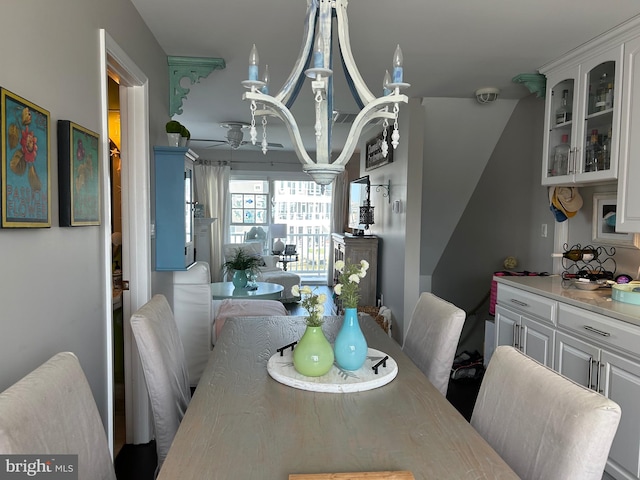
x=586 y=285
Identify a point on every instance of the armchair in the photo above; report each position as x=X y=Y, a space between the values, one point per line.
x=269 y=272
x=199 y=318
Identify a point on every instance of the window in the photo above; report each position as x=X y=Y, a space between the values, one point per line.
x=301 y=205
x=249 y=211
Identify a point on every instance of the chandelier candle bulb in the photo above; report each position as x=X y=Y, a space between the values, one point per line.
x=385 y=83
x=397 y=65
x=265 y=79
x=254 y=62
x=318 y=56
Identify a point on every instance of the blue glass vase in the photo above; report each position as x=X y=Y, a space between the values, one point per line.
x=239 y=279
x=350 y=347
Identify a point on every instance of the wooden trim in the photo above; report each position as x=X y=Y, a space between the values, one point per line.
x=395 y=475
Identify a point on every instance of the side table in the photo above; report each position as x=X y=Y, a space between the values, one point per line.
x=286 y=259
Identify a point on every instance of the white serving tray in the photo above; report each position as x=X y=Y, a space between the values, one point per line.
x=336 y=380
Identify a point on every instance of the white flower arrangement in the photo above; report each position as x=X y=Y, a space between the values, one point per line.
x=312 y=303
x=348 y=288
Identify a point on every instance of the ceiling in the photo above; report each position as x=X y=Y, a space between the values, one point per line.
x=450 y=47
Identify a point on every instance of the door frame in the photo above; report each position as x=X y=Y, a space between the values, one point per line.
x=136 y=248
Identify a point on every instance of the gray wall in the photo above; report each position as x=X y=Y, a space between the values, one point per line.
x=503 y=215
x=52 y=279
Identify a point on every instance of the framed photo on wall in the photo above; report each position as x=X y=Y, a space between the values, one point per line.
x=604 y=222
x=26 y=163
x=374 y=157
x=78 y=175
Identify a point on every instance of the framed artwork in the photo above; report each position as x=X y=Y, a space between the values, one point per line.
x=374 y=158
x=604 y=222
x=78 y=175
x=26 y=163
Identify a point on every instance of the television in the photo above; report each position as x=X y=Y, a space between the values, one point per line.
x=358 y=196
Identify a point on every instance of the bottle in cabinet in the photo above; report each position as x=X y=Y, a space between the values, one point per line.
x=561 y=157
x=593 y=154
x=601 y=93
x=563 y=113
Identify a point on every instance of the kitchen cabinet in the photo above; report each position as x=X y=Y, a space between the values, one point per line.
x=352 y=249
x=597 y=352
x=581 y=141
x=525 y=321
x=628 y=211
x=174 y=213
x=597 y=345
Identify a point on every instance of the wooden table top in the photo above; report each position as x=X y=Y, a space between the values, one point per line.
x=243 y=424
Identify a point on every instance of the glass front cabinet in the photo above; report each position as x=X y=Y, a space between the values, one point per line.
x=582 y=120
x=174 y=201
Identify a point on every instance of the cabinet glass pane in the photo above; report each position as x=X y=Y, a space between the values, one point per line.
x=599 y=119
x=561 y=122
x=188 y=205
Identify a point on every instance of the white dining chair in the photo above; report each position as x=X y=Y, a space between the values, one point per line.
x=541 y=423
x=165 y=372
x=432 y=338
x=52 y=411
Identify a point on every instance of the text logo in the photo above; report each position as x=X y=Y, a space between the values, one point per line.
x=49 y=467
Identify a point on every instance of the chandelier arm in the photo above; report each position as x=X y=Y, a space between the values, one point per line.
x=291 y=87
x=364 y=93
x=278 y=109
x=371 y=111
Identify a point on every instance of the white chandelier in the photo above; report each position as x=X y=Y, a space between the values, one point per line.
x=319 y=22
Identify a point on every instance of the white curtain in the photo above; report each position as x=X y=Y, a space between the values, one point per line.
x=339 y=199
x=212 y=190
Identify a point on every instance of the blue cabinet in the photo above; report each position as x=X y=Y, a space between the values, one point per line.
x=174 y=245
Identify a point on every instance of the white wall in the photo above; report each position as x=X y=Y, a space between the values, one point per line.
x=52 y=279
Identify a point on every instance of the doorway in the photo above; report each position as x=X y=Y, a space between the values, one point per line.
x=115 y=168
x=135 y=250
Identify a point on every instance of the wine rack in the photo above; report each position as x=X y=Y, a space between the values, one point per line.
x=603 y=266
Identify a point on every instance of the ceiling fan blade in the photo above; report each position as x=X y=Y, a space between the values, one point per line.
x=207 y=140
x=259 y=145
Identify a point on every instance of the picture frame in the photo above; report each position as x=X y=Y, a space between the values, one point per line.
x=26 y=163
x=78 y=175
x=374 y=157
x=604 y=223
x=289 y=250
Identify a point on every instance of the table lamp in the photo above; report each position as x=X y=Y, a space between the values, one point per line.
x=278 y=231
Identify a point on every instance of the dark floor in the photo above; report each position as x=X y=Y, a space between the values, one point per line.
x=138 y=462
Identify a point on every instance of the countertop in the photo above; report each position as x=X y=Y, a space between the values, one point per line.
x=598 y=301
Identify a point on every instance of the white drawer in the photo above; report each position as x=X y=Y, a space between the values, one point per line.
x=600 y=328
x=526 y=302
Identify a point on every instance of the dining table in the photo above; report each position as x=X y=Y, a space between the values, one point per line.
x=243 y=424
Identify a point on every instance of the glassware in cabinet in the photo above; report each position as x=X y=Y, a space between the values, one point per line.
x=559 y=165
x=591 y=88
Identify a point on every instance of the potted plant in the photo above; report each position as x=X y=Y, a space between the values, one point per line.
x=185 y=135
x=173 y=129
x=241 y=264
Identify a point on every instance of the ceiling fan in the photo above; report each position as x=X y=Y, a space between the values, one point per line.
x=234 y=137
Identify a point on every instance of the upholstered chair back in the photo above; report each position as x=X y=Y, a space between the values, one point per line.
x=163 y=364
x=432 y=338
x=193 y=313
x=52 y=411
x=541 y=423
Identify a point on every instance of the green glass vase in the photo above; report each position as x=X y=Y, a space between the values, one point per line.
x=313 y=354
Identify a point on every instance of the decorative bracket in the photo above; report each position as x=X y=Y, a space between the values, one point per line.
x=193 y=67
x=535 y=82
x=388 y=188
